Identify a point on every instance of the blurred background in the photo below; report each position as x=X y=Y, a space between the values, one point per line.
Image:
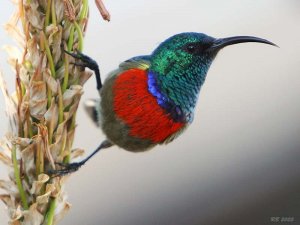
x=238 y=163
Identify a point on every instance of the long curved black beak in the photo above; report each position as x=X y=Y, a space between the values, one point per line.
x=223 y=42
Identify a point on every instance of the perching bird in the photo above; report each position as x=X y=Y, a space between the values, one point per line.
x=151 y=99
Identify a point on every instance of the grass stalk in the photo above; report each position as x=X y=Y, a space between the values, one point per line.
x=66 y=73
x=51 y=212
x=42 y=127
x=84 y=10
x=80 y=36
x=71 y=38
x=53 y=14
x=49 y=55
x=18 y=178
x=48 y=9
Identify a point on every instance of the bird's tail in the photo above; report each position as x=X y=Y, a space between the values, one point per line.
x=91 y=106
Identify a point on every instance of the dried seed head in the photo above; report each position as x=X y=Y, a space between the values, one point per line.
x=103 y=11
x=41 y=114
x=69 y=10
x=34 y=15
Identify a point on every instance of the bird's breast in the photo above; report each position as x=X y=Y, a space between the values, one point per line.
x=135 y=106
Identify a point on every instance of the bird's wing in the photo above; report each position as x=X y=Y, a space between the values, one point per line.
x=139 y=62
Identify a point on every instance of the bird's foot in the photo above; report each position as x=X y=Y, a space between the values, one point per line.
x=86 y=60
x=65 y=169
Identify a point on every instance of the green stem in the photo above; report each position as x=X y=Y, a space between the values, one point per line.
x=49 y=55
x=47 y=19
x=60 y=107
x=80 y=36
x=49 y=96
x=72 y=127
x=51 y=211
x=73 y=123
x=18 y=179
x=53 y=15
x=66 y=74
x=84 y=10
x=50 y=128
x=67 y=159
x=71 y=38
x=70 y=45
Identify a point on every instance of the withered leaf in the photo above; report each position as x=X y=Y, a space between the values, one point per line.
x=38 y=100
x=34 y=16
x=52 y=83
x=32 y=216
x=70 y=94
x=38 y=184
x=62 y=212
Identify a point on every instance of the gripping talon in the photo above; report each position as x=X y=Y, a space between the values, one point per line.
x=74 y=55
x=87 y=62
x=64 y=165
x=80 y=64
x=73 y=167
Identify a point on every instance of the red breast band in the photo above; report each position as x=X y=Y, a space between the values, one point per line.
x=138 y=108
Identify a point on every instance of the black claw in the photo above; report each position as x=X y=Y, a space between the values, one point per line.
x=74 y=55
x=88 y=61
x=80 y=64
x=73 y=167
x=64 y=165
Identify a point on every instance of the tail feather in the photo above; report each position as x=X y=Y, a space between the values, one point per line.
x=91 y=107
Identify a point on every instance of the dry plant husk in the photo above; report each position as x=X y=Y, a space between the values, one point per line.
x=42 y=110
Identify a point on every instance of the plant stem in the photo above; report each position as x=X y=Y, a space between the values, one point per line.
x=29 y=125
x=47 y=19
x=18 y=178
x=49 y=55
x=71 y=38
x=51 y=211
x=49 y=96
x=84 y=10
x=80 y=36
x=60 y=107
x=73 y=125
x=39 y=160
x=66 y=73
x=53 y=15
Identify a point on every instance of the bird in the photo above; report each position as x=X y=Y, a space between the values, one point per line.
x=150 y=100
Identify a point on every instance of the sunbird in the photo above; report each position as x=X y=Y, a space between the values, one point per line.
x=151 y=99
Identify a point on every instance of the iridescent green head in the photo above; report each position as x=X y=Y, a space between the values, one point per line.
x=183 y=52
x=179 y=66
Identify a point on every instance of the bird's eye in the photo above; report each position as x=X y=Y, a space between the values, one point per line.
x=191 y=48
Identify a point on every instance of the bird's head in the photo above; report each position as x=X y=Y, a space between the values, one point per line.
x=188 y=52
x=179 y=66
